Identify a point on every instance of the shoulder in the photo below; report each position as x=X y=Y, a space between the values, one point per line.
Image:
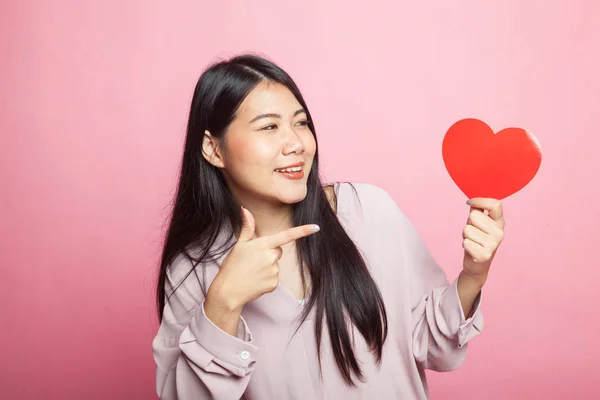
x=181 y=266
x=379 y=218
x=343 y=195
x=370 y=197
x=371 y=192
x=372 y=206
x=189 y=277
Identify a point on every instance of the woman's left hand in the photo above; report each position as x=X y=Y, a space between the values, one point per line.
x=482 y=236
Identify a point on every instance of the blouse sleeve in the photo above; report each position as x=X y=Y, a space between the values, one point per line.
x=440 y=330
x=194 y=358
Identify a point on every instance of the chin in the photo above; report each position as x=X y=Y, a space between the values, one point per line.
x=292 y=195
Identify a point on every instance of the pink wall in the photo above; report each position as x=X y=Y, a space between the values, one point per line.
x=94 y=101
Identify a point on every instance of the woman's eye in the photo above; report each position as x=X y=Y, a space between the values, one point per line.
x=269 y=127
x=302 y=123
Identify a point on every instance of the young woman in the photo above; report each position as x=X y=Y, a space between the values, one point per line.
x=275 y=286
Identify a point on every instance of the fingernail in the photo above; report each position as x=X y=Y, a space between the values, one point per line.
x=469 y=202
x=316 y=228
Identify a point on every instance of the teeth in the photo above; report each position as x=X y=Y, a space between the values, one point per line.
x=294 y=169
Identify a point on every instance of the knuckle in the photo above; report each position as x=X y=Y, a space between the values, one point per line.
x=486 y=255
x=274 y=256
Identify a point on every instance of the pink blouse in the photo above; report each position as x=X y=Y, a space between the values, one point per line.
x=427 y=329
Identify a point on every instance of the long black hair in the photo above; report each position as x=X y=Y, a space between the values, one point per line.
x=341 y=286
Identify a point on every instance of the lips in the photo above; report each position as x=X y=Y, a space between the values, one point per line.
x=295 y=175
x=298 y=164
x=293 y=168
x=293 y=171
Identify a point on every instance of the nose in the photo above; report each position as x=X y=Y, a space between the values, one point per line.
x=292 y=143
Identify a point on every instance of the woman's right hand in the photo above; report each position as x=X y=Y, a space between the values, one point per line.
x=251 y=268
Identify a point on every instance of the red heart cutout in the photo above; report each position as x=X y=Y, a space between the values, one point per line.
x=484 y=164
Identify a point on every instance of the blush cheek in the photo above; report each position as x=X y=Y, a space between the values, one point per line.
x=253 y=160
x=243 y=151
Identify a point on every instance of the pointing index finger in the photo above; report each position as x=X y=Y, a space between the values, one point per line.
x=492 y=205
x=290 y=235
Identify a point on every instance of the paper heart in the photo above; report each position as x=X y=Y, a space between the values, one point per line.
x=484 y=164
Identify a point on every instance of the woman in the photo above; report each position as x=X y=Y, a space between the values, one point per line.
x=274 y=286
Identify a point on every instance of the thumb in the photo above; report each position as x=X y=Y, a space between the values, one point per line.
x=247 y=232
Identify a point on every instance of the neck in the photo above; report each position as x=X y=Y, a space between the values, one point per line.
x=271 y=219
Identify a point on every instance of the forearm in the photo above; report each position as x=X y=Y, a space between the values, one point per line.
x=468 y=289
x=225 y=318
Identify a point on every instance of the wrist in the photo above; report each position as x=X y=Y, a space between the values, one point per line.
x=474 y=281
x=218 y=297
x=221 y=314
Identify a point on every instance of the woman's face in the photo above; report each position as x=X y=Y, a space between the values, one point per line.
x=269 y=134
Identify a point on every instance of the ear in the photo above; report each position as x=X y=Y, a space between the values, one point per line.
x=211 y=150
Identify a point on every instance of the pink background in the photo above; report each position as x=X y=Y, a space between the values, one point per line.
x=94 y=103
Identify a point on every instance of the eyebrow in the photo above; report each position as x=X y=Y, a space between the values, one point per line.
x=272 y=115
